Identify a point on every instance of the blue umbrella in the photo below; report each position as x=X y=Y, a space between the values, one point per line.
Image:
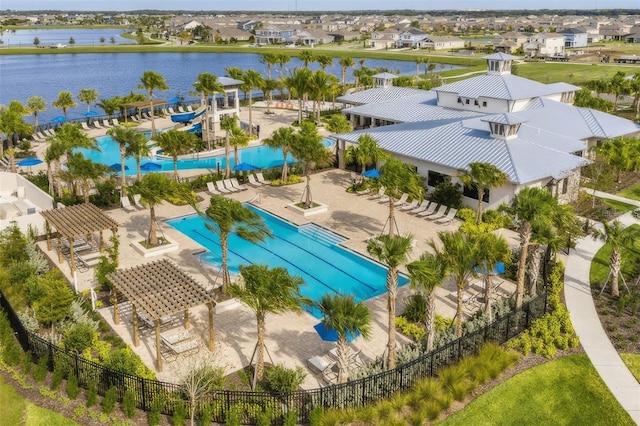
x=118 y=167
x=60 y=119
x=499 y=269
x=330 y=335
x=149 y=167
x=91 y=113
x=175 y=100
x=372 y=173
x=244 y=167
x=28 y=162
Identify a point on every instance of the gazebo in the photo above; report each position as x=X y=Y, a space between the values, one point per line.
x=81 y=220
x=158 y=290
x=141 y=105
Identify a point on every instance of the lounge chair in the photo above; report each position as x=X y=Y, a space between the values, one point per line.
x=377 y=195
x=238 y=185
x=451 y=214
x=89 y=260
x=221 y=188
x=134 y=118
x=126 y=204
x=85 y=126
x=116 y=122
x=438 y=214
x=181 y=109
x=261 y=179
x=429 y=210
x=39 y=137
x=137 y=203
x=364 y=191
x=421 y=207
x=227 y=184
x=170 y=110
x=412 y=205
x=186 y=346
x=384 y=199
x=212 y=190
x=253 y=181
x=322 y=365
x=97 y=125
x=402 y=200
x=50 y=132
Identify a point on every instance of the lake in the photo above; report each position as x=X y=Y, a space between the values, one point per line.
x=47 y=37
x=116 y=74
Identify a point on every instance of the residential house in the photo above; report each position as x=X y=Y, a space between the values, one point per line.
x=410 y=38
x=509 y=42
x=575 y=37
x=384 y=39
x=229 y=34
x=248 y=25
x=312 y=37
x=544 y=44
x=634 y=35
x=344 y=35
x=615 y=31
x=272 y=34
x=440 y=42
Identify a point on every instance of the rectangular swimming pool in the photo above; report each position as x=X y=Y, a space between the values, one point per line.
x=309 y=251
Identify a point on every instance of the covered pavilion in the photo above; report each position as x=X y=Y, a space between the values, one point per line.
x=158 y=290
x=73 y=222
x=140 y=105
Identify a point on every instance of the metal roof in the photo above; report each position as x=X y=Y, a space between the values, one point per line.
x=500 y=56
x=379 y=94
x=506 y=118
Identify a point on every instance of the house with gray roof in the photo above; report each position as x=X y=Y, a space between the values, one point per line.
x=529 y=130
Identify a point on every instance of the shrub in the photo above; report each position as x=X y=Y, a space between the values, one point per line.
x=59 y=371
x=411 y=330
x=448 y=194
x=415 y=308
x=179 y=413
x=281 y=379
x=129 y=403
x=79 y=337
x=72 y=386
x=153 y=416
x=109 y=400
x=41 y=369
x=92 y=393
x=124 y=360
x=206 y=414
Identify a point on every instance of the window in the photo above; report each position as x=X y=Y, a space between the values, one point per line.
x=467 y=102
x=434 y=178
x=484 y=103
x=472 y=192
x=476 y=102
x=565 y=185
x=459 y=100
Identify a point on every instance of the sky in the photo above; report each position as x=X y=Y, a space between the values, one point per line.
x=302 y=5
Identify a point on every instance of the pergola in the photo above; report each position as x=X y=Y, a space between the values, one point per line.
x=141 y=105
x=157 y=290
x=81 y=220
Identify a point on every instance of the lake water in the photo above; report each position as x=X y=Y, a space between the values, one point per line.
x=117 y=74
x=47 y=37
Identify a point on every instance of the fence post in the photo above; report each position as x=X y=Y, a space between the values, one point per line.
x=143 y=391
x=506 y=335
x=50 y=348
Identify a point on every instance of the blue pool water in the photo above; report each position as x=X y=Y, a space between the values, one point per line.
x=259 y=156
x=324 y=266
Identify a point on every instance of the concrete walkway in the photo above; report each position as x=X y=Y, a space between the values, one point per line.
x=586 y=322
x=618 y=198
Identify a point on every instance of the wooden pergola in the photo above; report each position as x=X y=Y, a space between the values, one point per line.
x=81 y=220
x=158 y=290
x=141 y=105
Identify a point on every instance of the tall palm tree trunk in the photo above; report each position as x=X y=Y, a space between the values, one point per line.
x=615 y=272
x=300 y=110
x=392 y=217
x=308 y=199
x=227 y=151
x=153 y=228
x=224 y=247
x=123 y=180
x=250 y=115
x=430 y=319
x=479 y=210
x=50 y=178
x=261 y=333
x=138 y=169
x=153 y=121
x=285 y=166
x=343 y=362
x=175 y=169
x=525 y=238
x=392 y=290
x=459 y=314
x=534 y=268
x=488 y=294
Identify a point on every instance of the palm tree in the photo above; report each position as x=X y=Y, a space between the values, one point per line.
x=324 y=61
x=176 y=143
x=531 y=207
x=267 y=291
x=227 y=123
x=237 y=138
x=85 y=172
x=345 y=63
x=54 y=152
x=392 y=251
x=88 y=96
x=283 y=59
x=426 y=274
x=616 y=237
x=110 y=106
x=298 y=83
x=319 y=88
x=482 y=177
x=492 y=249
x=225 y=217
x=36 y=104
x=268 y=87
x=137 y=148
x=253 y=80
x=151 y=81
x=270 y=59
x=347 y=317
x=397 y=178
x=616 y=152
x=208 y=85
x=307 y=147
x=154 y=188
x=64 y=102
x=306 y=56
x=365 y=152
x=458 y=252
x=12 y=123
x=66 y=139
x=282 y=138
x=123 y=137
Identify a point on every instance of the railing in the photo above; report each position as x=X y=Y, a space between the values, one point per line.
x=248 y=405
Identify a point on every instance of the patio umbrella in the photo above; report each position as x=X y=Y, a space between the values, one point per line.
x=499 y=269
x=175 y=100
x=330 y=335
x=118 y=167
x=91 y=113
x=60 y=119
x=244 y=167
x=372 y=173
x=28 y=162
x=150 y=167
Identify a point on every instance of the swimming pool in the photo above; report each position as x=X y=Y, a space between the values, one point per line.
x=259 y=156
x=309 y=251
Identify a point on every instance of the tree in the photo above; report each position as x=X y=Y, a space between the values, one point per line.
x=52 y=156
x=617 y=153
x=123 y=137
x=112 y=40
x=201 y=380
x=137 y=148
x=88 y=96
x=397 y=178
x=348 y=318
x=267 y=291
x=283 y=59
x=426 y=274
x=226 y=217
x=84 y=171
x=306 y=56
x=227 y=124
x=152 y=81
x=319 y=88
x=208 y=85
x=299 y=83
x=12 y=123
x=324 y=61
x=617 y=85
x=176 y=143
x=67 y=138
x=392 y=251
x=154 y=188
x=270 y=59
x=338 y=123
x=458 y=252
x=252 y=80
x=481 y=176
x=616 y=237
x=345 y=63
x=55 y=299
x=282 y=138
x=268 y=87
x=64 y=102
x=237 y=138
x=307 y=147
x=110 y=106
x=36 y=104
x=72 y=41
x=492 y=249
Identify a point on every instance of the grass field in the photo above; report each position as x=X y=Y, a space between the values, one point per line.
x=554 y=72
x=632 y=362
x=600 y=264
x=567 y=391
x=632 y=192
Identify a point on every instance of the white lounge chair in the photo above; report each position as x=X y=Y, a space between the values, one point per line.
x=126 y=204
x=105 y=124
x=238 y=185
x=97 y=125
x=50 y=132
x=438 y=214
x=227 y=184
x=429 y=210
x=261 y=179
x=181 y=109
x=212 y=190
x=412 y=205
x=377 y=195
x=116 y=122
x=451 y=214
x=254 y=182
x=85 y=126
x=221 y=188
x=402 y=200
x=137 y=203
x=424 y=204
x=170 y=110
x=322 y=365
x=364 y=191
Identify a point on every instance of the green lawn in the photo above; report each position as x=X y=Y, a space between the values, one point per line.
x=16 y=411
x=600 y=264
x=632 y=193
x=619 y=206
x=567 y=391
x=633 y=363
x=554 y=72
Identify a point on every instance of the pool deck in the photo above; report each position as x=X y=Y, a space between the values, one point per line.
x=290 y=338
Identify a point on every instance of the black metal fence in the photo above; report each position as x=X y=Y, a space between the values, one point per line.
x=298 y=405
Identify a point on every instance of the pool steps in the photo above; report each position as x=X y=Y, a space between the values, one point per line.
x=320 y=234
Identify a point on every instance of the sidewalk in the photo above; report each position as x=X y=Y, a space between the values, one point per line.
x=593 y=338
x=618 y=198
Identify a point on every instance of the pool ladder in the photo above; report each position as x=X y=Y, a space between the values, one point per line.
x=320 y=234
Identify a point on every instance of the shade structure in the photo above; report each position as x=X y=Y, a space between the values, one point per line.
x=244 y=167
x=118 y=167
x=330 y=335
x=60 y=119
x=91 y=113
x=174 y=100
x=150 y=167
x=372 y=173
x=28 y=162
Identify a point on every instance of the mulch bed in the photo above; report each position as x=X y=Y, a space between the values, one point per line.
x=622 y=326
